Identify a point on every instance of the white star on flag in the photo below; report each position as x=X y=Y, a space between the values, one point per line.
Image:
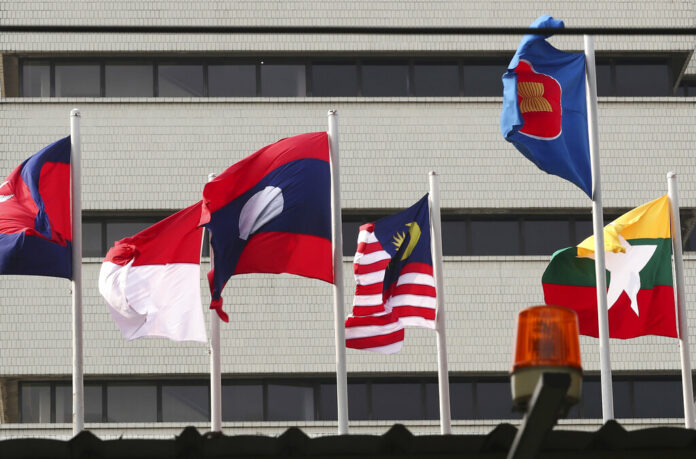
x=625 y=268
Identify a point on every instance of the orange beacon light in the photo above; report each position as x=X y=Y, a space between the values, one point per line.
x=547 y=341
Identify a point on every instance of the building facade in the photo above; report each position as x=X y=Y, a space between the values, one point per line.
x=160 y=111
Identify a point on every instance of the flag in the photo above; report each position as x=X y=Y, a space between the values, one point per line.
x=271 y=213
x=394 y=281
x=640 y=296
x=35 y=226
x=151 y=281
x=544 y=108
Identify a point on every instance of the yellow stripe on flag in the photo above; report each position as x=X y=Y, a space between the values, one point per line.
x=649 y=221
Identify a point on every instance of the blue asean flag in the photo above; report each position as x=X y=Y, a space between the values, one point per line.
x=35 y=226
x=271 y=213
x=544 y=107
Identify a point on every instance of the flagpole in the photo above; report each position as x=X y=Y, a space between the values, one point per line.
x=687 y=383
x=598 y=230
x=78 y=398
x=339 y=314
x=215 y=373
x=436 y=249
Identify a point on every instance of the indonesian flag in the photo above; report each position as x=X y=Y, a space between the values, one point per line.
x=151 y=281
x=640 y=296
x=394 y=276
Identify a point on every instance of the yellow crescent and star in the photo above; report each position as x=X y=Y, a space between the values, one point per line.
x=414 y=233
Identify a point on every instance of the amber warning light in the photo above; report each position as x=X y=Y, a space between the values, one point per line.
x=547 y=341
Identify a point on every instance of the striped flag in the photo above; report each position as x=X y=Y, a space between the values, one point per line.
x=394 y=281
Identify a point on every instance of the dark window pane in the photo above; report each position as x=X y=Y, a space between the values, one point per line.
x=357 y=401
x=36 y=80
x=658 y=399
x=75 y=80
x=185 y=403
x=180 y=80
x=334 y=80
x=643 y=80
x=385 y=80
x=494 y=401
x=605 y=86
x=131 y=403
x=623 y=399
x=36 y=403
x=544 y=237
x=495 y=237
x=93 y=403
x=279 y=80
x=92 y=240
x=128 y=80
x=454 y=238
x=242 y=402
x=462 y=400
x=436 y=80
x=483 y=80
x=290 y=402
x=591 y=400
x=350 y=237
x=432 y=401
x=116 y=231
x=690 y=242
x=397 y=401
x=583 y=230
x=231 y=80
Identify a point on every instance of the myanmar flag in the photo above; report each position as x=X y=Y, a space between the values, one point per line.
x=640 y=296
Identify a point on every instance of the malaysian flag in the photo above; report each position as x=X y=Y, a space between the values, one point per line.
x=395 y=287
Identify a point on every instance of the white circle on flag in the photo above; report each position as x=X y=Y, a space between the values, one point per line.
x=260 y=209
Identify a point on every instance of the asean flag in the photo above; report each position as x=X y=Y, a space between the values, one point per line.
x=35 y=227
x=271 y=213
x=544 y=108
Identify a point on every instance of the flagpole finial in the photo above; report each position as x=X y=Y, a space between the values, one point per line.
x=671 y=174
x=333 y=112
x=211 y=176
x=75 y=112
x=432 y=173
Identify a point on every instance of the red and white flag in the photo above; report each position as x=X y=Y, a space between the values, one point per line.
x=395 y=287
x=151 y=281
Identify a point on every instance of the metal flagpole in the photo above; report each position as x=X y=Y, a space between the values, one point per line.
x=687 y=383
x=598 y=230
x=78 y=393
x=339 y=314
x=215 y=374
x=436 y=249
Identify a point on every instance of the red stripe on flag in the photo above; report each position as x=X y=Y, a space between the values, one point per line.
x=413 y=289
x=367 y=310
x=414 y=311
x=369 y=247
x=375 y=341
x=422 y=268
x=372 y=289
x=293 y=253
x=656 y=307
x=371 y=268
x=364 y=321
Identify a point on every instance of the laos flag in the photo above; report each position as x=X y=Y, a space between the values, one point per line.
x=271 y=213
x=544 y=108
x=35 y=229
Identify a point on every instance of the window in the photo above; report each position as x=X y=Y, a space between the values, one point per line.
x=641 y=79
x=436 y=79
x=128 y=80
x=36 y=79
x=131 y=403
x=494 y=400
x=185 y=402
x=495 y=237
x=77 y=80
x=484 y=79
x=389 y=401
x=283 y=80
x=180 y=80
x=385 y=80
x=540 y=235
x=116 y=231
x=36 y=402
x=290 y=402
x=232 y=80
x=242 y=402
x=334 y=80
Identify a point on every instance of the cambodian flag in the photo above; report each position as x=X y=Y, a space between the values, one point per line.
x=35 y=228
x=544 y=108
x=271 y=213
